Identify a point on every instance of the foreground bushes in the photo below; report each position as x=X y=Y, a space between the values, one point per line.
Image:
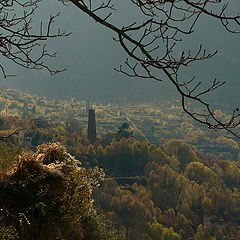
x=46 y=195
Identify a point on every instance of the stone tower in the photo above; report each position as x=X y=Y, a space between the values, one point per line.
x=92 y=134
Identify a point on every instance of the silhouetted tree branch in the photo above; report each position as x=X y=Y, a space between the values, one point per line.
x=8 y=137
x=152 y=48
x=18 y=41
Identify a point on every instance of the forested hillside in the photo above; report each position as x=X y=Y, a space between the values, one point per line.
x=56 y=120
x=160 y=177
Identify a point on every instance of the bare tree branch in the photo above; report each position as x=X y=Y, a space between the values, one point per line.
x=152 y=48
x=9 y=136
x=18 y=42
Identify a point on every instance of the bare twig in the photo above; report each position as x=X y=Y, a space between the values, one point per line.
x=18 y=42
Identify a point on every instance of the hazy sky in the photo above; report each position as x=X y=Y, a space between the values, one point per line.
x=90 y=55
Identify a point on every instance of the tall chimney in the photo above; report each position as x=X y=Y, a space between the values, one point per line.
x=92 y=134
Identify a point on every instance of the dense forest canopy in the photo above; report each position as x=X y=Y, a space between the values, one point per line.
x=170 y=192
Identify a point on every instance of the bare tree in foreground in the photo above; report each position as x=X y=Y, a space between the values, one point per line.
x=19 y=42
x=151 y=45
x=152 y=48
